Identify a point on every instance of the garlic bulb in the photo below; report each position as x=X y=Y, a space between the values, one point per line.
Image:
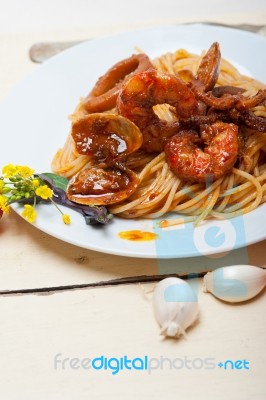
x=236 y=283
x=175 y=306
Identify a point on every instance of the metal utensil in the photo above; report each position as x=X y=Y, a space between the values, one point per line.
x=260 y=29
x=41 y=51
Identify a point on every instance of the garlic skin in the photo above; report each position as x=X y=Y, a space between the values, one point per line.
x=175 y=306
x=235 y=283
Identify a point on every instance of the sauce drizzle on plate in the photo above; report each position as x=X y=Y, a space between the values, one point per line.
x=137 y=235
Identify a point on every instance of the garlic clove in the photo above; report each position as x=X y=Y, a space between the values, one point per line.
x=235 y=283
x=175 y=306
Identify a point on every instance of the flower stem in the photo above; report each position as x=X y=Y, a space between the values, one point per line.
x=54 y=203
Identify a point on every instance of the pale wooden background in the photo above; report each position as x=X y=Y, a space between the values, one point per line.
x=108 y=320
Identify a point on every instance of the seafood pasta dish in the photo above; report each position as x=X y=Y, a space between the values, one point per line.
x=182 y=133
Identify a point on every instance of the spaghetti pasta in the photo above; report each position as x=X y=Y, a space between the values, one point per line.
x=160 y=191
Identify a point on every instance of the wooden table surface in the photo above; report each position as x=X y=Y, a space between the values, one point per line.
x=59 y=301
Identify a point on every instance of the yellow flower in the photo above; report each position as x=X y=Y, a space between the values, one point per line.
x=24 y=171
x=9 y=170
x=35 y=182
x=12 y=170
x=44 y=192
x=29 y=213
x=3 y=204
x=66 y=219
x=2 y=184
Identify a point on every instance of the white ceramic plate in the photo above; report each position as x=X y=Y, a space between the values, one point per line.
x=34 y=125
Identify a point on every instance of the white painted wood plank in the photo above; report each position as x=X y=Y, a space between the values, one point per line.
x=118 y=321
x=30 y=258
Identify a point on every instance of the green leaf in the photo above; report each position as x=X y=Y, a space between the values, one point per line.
x=58 y=181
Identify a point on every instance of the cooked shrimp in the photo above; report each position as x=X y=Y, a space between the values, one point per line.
x=190 y=162
x=147 y=89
